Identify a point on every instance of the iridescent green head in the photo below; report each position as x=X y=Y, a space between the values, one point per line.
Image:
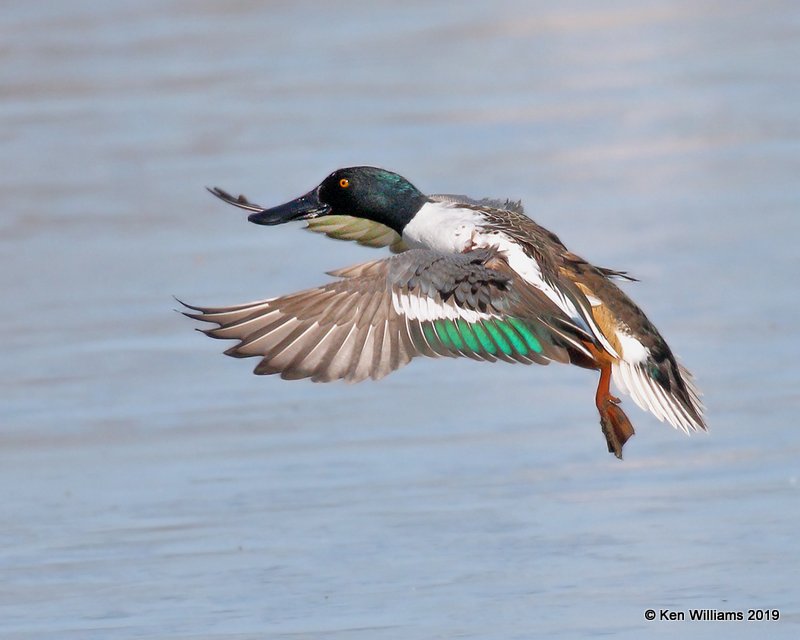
x=364 y=192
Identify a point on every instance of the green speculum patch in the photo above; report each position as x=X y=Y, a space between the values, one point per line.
x=447 y=333
x=483 y=337
x=508 y=335
x=468 y=335
x=513 y=337
x=430 y=334
x=498 y=337
x=530 y=339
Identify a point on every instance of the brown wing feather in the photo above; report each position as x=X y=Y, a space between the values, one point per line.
x=381 y=314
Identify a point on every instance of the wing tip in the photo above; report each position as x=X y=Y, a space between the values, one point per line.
x=240 y=201
x=682 y=409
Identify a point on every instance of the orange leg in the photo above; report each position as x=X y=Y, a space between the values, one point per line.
x=615 y=424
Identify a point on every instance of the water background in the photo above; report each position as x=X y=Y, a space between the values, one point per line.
x=154 y=488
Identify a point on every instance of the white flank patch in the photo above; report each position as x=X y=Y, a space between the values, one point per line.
x=632 y=349
x=416 y=308
x=442 y=227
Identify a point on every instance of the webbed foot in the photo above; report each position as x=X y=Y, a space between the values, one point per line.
x=616 y=426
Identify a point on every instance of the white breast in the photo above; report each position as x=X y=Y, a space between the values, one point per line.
x=442 y=227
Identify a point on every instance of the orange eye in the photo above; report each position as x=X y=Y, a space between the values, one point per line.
x=344 y=183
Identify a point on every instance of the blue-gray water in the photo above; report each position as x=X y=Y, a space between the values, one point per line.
x=154 y=488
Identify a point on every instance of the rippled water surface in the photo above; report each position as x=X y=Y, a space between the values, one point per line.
x=154 y=488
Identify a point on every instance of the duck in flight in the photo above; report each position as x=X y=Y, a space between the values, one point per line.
x=471 y=278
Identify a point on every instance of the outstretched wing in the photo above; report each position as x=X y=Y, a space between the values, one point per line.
x=364 y=232
x=379 y=315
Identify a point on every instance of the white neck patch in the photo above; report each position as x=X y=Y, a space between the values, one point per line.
x=442 y=227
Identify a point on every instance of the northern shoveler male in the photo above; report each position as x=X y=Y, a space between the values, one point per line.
x=474 y=278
